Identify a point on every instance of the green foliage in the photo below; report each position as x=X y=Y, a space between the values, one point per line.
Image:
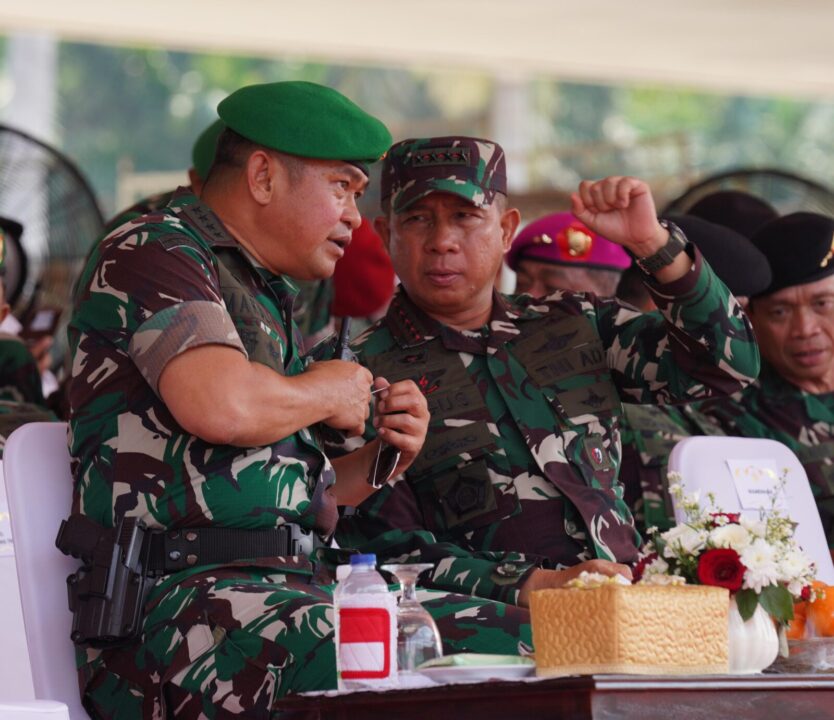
x=746 y=600
x=777 y=601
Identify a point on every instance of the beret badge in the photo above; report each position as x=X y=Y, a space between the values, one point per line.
x=827 y=259
x=575 y=242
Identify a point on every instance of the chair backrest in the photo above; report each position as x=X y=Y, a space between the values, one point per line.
x=703 y=465
x=39 y=489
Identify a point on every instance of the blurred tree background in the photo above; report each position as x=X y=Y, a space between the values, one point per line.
x=147 y=106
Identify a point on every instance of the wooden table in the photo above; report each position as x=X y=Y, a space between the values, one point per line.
x=594 y=697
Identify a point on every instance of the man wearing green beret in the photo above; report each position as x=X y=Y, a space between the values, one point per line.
x=516 y=488
x=194 y=420
x=793 y=399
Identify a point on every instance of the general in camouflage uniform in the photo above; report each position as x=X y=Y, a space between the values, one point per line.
x=793 y=399
x=191 y=406
x=518 y=476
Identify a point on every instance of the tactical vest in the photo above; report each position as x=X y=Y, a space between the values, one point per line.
x=263 y=343
x=451 y=469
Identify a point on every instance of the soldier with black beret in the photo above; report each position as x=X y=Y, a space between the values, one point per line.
x=193 y=412
x=793 y=399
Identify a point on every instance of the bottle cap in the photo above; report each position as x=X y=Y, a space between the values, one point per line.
x=369 y=559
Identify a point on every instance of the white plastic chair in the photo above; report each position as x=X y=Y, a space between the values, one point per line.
x=39 y=490
x=34 y=710
x=702 y=463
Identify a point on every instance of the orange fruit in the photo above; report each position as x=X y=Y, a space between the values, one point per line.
x=796 y=627
x=821 y=611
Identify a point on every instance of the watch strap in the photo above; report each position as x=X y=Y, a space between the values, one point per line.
x=674 y=246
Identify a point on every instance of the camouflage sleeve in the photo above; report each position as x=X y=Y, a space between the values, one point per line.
x=389 y=523
x=176 y=329
x=699 y=344
x=154 y=297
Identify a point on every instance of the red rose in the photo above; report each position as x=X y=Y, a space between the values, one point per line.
x=721 y=567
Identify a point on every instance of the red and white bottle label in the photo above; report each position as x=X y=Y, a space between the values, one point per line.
x=365 y=643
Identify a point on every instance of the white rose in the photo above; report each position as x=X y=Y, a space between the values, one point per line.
x=730 y=536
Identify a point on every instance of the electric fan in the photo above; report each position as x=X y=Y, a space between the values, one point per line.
x=44 y=191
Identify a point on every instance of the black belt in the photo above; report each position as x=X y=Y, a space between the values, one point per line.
x=174 y=550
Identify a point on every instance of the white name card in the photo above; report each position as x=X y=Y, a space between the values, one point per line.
x=757 y=484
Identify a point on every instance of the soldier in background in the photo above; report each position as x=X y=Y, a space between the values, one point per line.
x=793 y=399
x=516 y=488
x=557 y=252
x=21 y=396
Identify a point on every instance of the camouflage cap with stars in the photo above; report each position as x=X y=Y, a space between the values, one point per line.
x=307 y=120
x=799 y=248
x=471 y=168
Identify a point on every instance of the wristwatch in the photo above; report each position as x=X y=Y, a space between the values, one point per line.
x=666 y=255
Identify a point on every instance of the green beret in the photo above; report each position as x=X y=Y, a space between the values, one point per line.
x=799 y=247
x=202 y=154
x=305 y=119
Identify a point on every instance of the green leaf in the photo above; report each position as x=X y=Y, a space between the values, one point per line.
x=746 y=600
x=777 y=601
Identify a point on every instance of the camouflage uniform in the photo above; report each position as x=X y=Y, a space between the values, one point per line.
x=496 y=491
x=648 y=434
x=21 y=394
x=216 y=640
x=20 y=378
x=776 y=409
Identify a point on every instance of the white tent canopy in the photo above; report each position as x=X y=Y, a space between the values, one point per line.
x=767 y=47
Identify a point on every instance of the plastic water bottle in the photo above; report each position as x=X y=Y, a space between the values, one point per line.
x=366 y=628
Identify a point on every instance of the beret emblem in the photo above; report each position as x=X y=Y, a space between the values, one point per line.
x=827 y=259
